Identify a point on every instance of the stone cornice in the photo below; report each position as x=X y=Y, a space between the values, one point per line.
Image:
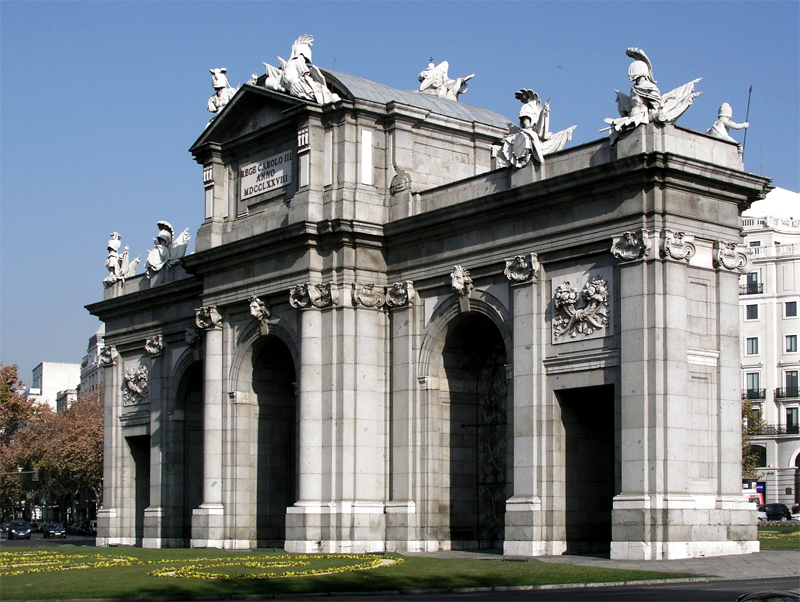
x=163 y=295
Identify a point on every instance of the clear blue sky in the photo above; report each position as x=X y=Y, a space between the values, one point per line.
x=101 y=100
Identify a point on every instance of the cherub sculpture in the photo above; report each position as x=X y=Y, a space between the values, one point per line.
x=534 y=138
x=167 y=250
x=223 y=90
x=119 y=267
x=645 y=103
x=434 y=80
x=298 y=76
x=723 y=124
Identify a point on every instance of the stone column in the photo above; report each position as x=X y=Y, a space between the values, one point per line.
x=402 y=523
x=304 y=519
x=208 y=519
x=154 y=513
x=737 y=512
x=109 y=527
x=523 y=533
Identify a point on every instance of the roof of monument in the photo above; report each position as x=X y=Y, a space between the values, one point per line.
x=365 y=89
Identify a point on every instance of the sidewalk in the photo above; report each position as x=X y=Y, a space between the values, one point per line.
x=765 y=564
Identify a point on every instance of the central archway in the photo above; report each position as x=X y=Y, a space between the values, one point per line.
x=474 y=390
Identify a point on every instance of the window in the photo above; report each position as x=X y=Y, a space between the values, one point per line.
x=751 y=312
x=755 y=243
x=791 y=383
x=752 y=346
x=753 y=386
x=753 y=284
x=791 y=421
x=791 y=343
x=790 y=309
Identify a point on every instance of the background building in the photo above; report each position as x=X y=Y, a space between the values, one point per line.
x=91 y=374
x=769 y=296
x=50 y=378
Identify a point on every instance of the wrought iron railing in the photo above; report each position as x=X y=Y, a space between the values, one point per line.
x=754 y=394
x=779 y=429
x=752 y=288
x=787 y=392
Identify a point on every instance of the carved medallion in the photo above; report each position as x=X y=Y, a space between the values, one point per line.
x=460 y=281
x=726 y=256
x=580 y=313
x=155 y=345
x=399 y=294
x=316 y=295
x=366 y=295
x=108 y=356
x=208 y=318
x=323 y=295
x=631 y=246
x=135 y=388
x=677 y=245
x=298 y=296
x=522 y=268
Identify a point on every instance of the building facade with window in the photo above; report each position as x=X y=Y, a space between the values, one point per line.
x=769 y=295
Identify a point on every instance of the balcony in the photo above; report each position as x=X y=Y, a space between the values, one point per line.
x=770 y=430
x=752 y=288
x=754 y=394
x=787 y=392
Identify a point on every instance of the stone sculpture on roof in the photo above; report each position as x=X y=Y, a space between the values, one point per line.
x=167 y=250
x=723 y=124
x=223 y=90
x=645 y=103
x=534 y=138
x=118 y=265
x=434 y=80
x=298 y=76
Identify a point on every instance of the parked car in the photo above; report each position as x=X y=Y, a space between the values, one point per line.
x=54 y=530
x=79 y=528
x=19 y=529
x=776 y=511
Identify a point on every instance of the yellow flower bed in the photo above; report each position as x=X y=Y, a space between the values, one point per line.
x=260 y=567
x=778 y=535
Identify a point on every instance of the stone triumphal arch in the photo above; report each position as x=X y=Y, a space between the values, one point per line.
x=410 y=325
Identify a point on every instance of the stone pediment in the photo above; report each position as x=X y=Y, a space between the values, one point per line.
x=251 y=109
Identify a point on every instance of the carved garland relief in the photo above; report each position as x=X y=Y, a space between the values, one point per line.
x=136 y=386
x=584 y=312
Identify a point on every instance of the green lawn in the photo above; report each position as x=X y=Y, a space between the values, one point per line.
x=775 y=536
x=66 y=572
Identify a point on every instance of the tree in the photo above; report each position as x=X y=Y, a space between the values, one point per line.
x=16 y=410
x=752 y=423
x=67 y=449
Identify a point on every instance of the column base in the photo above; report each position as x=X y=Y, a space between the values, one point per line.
x=208 y=526
x=336 y=528
x=672 y=527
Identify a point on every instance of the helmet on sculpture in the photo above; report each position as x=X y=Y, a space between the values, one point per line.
x=114 y=242
x=219 y=78
x=638 y=69
x=725 y=110
x=531 y=110
x=165 y=233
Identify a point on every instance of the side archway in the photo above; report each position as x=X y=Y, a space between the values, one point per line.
x=468 y=356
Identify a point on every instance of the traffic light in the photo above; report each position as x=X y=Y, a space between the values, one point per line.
x=35 y=474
